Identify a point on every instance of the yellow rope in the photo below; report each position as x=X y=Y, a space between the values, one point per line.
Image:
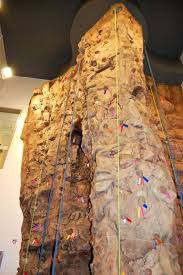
x=118 y=145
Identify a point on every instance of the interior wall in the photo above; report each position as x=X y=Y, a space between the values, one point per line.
x=14 y=93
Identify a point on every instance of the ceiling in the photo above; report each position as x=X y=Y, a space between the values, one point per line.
x=37 y=33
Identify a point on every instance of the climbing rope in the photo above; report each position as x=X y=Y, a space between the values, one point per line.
x=33 y=215
x=166 y=138
x=118 y=145
x=36 y=199
x=65 y=176
x=52 y=184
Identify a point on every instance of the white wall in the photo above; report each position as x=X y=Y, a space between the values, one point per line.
x=14 y=93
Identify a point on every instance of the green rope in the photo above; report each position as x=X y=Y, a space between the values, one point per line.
x=118 y=147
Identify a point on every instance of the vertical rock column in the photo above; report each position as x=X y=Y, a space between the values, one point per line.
x=147 y=212
x=43 y=166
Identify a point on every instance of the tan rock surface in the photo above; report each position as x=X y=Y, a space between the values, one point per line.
x=173 y=121
x=147 y=213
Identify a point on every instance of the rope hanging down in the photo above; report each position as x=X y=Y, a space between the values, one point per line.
x=118 y=145
x=65 y=175
x=36 y=199
x=33 y=214
x=52 y=185
x=166 y=138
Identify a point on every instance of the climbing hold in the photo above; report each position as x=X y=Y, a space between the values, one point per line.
x=34 y=181
x=138 y=212
x=123 y=219
x=145 y=179
x=145 y=205
x=110 y=130
x=136 y=161
x=112 y=153
x=36 y=241
x=142 y=212
x=148 y=271
x=37 y=227
x=157 y=239
x=80 y=199
x=123 y=125
x=140 y=181
x=74 y=236
x=129 y=220
x=167 y=195
x=112 y=110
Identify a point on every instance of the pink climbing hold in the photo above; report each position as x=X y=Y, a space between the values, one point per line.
x=80 y=199
x=142 y=212
x=113 y=111
x=34 y=181
x=37 y=227
x=167 y=195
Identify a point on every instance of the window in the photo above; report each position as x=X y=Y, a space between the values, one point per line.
x=8 y=119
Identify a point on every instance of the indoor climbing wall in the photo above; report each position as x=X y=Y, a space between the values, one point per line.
x=121 y=133
x=97 y=193
x=46 y=134
x=171 y=104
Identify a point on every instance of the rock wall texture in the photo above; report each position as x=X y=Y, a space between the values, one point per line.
x=119 y=211
x=171 y=103
x=45 y=138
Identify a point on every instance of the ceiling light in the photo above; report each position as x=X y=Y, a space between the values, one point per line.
x=6 y=72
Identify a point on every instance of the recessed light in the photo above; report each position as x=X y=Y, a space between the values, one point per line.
x=6 y=72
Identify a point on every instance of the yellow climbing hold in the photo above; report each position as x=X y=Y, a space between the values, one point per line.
x=138 y=212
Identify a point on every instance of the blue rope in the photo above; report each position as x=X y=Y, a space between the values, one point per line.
x=166 y=133
x=64 y=180
x=51 y=191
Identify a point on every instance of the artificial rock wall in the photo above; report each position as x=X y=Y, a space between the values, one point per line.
x=119 y=190
x=171 y=106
